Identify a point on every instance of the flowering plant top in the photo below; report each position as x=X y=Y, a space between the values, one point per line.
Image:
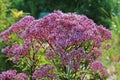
x=70 y=42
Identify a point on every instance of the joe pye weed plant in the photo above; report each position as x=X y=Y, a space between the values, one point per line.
x=60 y=46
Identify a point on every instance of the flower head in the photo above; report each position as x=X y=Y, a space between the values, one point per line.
x=45 y=71
x=12 y=74
x=97 y=66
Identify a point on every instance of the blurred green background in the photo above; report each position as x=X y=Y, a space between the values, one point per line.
x=105 y=12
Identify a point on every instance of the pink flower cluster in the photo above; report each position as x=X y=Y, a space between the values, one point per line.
x=72 y=59
x=96 y=53
x=17 y=27
x=59 y=29
x=13 y=75
x=17 y=51
x=98 y=67
x=73 y=39
x=43 y=72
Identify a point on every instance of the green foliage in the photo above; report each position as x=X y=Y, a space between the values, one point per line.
x=100 y=11
x=116 y=24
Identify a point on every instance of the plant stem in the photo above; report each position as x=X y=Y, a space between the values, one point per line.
x=33 y=64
